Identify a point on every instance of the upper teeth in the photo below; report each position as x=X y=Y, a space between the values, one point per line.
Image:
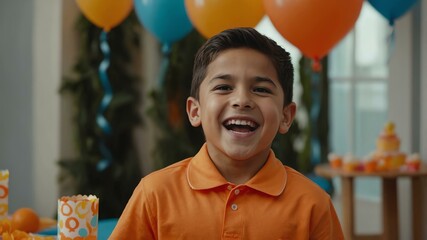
x=241 y=122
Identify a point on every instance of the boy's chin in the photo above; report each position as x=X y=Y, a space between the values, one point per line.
x=243 y=153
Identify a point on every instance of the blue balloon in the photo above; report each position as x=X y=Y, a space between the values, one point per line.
x=167 y=20
x=392 y=9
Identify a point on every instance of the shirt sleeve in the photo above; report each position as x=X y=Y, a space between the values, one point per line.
x=325 y=223
x=136 y=221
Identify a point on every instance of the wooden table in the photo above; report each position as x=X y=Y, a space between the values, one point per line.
x=390 y=216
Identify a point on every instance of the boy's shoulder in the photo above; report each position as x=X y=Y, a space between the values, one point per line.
x=301 y=183
x=172 y=173
x=174 y=168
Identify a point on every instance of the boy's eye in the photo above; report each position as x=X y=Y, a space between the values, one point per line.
x=262 y=90
x=222 y=88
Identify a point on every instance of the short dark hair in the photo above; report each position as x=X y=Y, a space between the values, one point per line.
x=244 y=38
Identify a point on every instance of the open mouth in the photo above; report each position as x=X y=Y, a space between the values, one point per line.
x=240 y=125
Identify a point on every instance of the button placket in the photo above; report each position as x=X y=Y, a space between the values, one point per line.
x=233 y=224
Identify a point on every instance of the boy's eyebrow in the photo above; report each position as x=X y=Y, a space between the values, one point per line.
x=227 y=77
x=265 y=79
x=221 y=76
x=258 y=79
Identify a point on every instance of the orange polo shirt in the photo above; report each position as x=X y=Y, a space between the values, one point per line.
x=192 y=200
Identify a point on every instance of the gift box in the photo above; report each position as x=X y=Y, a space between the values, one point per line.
x=78 y=217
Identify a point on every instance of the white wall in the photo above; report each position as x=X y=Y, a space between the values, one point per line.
x=16 y=95
x=29 y=77
x=46 y=81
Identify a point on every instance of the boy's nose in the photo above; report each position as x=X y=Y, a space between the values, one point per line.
x=242 y=100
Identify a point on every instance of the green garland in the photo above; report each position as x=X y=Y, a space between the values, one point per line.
x=115 y=184
x=322 y=123
x=168 y=110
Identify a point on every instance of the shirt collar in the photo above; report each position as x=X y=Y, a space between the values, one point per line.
x=203 y=174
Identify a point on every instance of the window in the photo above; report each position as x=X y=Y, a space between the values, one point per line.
x=358 y=72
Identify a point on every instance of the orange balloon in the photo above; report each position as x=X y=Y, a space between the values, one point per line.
x=210 y=17
x=313 y=26
x=105 y=14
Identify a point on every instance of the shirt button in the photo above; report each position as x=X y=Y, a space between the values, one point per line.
x=229 y=187
x=234 y=207
x=236 y=192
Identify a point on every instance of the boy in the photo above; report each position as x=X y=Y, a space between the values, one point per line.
x=234 y=187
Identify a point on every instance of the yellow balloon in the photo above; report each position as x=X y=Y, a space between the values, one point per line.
x=105 y=14
x=210 y=17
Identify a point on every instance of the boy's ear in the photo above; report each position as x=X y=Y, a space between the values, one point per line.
x=193 y=111
x=288 y=117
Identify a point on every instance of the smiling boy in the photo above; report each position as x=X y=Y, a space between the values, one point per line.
x=234 y=187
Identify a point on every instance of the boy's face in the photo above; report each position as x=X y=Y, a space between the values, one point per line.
x=241 y=105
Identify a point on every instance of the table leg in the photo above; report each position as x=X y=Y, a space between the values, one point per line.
x=390 y=210
x=417 y=208
x=348 y=207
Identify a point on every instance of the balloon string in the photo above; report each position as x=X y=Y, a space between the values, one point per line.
x=100 y=119
x=391 y=39
x=316 y=65
x=314 y=116
x=164 y=65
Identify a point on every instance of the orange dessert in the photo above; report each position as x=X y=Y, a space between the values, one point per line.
x=370 y=164
x=399 y=159
x=335 y=160
x=350 y=163
x=381 y=167
x=388 y=141
x=388 y=150
x=413 y=162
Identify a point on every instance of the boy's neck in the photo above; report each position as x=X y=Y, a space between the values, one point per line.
x=239 y=171
x=238 y=179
